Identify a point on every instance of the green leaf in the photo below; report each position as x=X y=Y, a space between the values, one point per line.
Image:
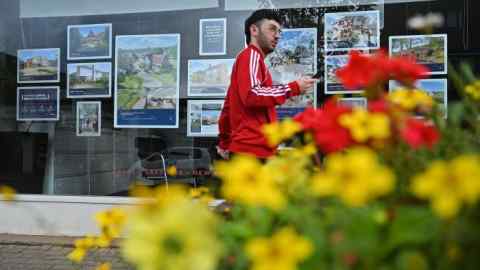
x=455 y=113
x=411 y=260
x=413 y=225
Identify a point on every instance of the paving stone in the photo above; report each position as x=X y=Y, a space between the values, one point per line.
x=49 y=253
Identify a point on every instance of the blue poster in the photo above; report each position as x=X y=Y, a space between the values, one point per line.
x=213 y=38
x=38 y=103
x=147 y=81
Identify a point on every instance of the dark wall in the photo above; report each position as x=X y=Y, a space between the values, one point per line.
x=9 y=25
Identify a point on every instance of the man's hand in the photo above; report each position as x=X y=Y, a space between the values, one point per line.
x=306 y=83
x=225 y=154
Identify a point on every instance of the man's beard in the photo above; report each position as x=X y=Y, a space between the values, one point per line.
x=264 y=44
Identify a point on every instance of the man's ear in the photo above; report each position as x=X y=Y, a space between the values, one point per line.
x=253 y=29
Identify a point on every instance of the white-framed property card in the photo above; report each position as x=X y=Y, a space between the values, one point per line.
x=203 y=117
x=332 y=83
x=209 y=77
x=357 y=30
x=436 y=88
x=213 y=36
x=38 y=103
x=147 y=81
x=38 y=65
x=354 y=102
x=89 y=118
x=89 y=80
x=89 y=41
x=295 y=56
x=428 y=50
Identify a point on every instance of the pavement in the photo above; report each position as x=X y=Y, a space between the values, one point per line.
x=27 y=252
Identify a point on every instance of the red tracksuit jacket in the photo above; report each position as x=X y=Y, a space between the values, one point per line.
x=250 y=103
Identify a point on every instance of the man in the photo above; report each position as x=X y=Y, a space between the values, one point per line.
x=251 y=96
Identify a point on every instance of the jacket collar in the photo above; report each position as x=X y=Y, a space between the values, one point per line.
x=257 y=49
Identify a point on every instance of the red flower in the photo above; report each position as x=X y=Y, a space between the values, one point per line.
x=307 y=118
x=406 y=70
x=418 y=133
x=379 y=105
x=365 y=71
x=323 y=123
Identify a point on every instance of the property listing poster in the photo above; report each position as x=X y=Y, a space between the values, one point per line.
x=89 y=118
x=332 y=83
x=89 y=80
x=436 y=88
x=213 y=36
x=147 y=81
x=209 y=77
x=428 y=50
x=38 y=65
x=354 y=102
x=203 y=116
x=89 y=41
x=294 y=57
x=358 y=30
x=38 y=103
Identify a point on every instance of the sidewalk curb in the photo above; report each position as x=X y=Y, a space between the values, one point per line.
x=40 y=240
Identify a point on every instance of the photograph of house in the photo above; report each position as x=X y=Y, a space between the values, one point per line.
x=38 y=65
x=331 y=82
x=89 y=118
x=89 y=80
x=352 y=30
x=294 y=57
x=428 y=50
x=147 y=79
x=195 y=121
x=209 y=77
x=436 y=88
x=203 y=116
x=89 y=41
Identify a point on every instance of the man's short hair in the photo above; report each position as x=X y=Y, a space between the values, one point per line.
x=258 y=16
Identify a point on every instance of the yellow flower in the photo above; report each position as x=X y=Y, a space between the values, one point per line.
x=356 y=177
x=172 y=171
x=247 y=181
x=85 y=243
x=111 y=216
x=111 y=222
x=202 y=194
x=290 y=169
x=82 y=246
x=454 y=252
x=199 y=192
x=7 y=193
x=283 y=251
x=104 y=266
x=178 y=235
x=448 y=185
x=103 y=241
x=279 y=131
x=473 y=90
x=77 y=255
x=411 y=99
x=364 y=125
